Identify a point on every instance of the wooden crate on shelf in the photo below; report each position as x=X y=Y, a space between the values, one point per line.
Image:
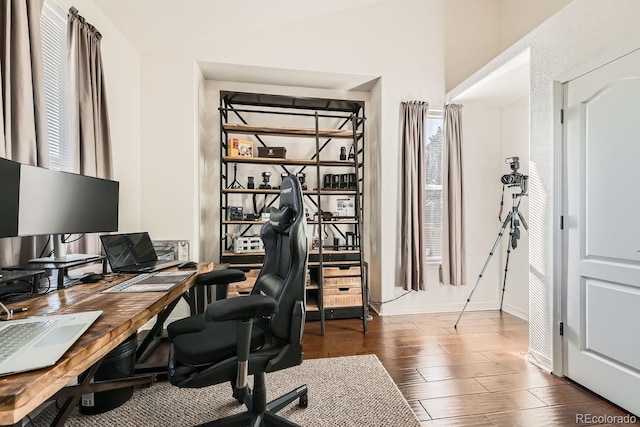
x=342 y=297
x=335 y=277
x=244 y=287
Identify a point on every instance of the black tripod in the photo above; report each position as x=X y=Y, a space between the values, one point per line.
x=235 y=183
x=513 y=219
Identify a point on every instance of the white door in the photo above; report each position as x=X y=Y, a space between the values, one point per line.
x=602 y=330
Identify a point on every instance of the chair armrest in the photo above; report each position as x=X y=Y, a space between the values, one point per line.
x=220 y=277
x=241 y=308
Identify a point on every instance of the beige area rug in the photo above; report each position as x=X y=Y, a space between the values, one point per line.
x=343 y=391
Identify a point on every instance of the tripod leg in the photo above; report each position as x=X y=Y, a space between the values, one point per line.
x=524 y=223
x=506 y=270
x=507 y=220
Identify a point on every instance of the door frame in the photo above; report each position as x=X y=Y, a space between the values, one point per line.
x=559 y=350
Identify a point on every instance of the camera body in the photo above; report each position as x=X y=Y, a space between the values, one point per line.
x=266 y=176
x=515 y=178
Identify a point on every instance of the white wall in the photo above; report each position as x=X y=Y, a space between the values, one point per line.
x=492 y=132
x=514 y=141
x=170 y=140
x=122 y=81
x=580 y=32
x=478 y=30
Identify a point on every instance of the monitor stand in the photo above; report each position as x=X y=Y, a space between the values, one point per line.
x=60 y=255
x=68 y=258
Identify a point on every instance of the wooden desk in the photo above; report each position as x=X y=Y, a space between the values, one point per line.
x=123 y=314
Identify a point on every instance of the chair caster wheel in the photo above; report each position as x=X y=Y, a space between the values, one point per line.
x=304 y=401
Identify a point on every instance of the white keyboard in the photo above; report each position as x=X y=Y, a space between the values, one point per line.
x=122 y=286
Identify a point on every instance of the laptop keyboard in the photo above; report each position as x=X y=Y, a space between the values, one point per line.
x=14 y=337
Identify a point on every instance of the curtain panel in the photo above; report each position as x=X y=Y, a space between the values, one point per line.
x=89 y=112
x=412 y=182
x=90 y=118
x=22 y=104
x=453 y=246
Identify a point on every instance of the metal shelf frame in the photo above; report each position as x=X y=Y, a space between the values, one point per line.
x=239 y=105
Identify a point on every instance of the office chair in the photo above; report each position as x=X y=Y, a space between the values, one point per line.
x=254 y=334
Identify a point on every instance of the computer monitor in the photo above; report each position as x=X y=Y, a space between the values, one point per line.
x=36 y=201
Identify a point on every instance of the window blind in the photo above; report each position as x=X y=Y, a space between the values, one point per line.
x=433 y=185
x=56 y=86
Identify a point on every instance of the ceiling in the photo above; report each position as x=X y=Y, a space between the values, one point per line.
x=286 y=77
x=160 y=24
x=504 y=86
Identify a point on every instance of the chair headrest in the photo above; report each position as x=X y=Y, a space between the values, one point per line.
x=280 y=219
x=291 y=194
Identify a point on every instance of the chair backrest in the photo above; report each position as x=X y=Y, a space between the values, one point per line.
x=283 y=274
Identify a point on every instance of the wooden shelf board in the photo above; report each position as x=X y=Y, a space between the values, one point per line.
x=276 y=191
x=239 y=222
x=279 y=161
x=286 y=131
x=313 y=252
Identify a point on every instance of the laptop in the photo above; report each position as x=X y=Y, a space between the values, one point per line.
x=38 y=342
x=133 y=253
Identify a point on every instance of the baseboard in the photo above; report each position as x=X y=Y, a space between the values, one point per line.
x=515 y=311
x=540 y=361
x=433 y=308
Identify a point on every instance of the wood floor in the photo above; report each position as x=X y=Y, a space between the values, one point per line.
x=476 y=375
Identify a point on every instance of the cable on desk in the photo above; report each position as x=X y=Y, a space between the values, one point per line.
x=9 y=312
x=45 y=246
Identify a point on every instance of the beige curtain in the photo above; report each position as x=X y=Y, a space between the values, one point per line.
x=22 y=107
x=453 y=260
x=90 y=120
x=412 y=256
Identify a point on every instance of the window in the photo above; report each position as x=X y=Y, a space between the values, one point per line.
x=56 y=86
x=433 y=186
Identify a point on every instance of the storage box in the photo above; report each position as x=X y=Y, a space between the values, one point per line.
x=275 y=152
x=342 y=297
x=335 y=277
x=240 y=148
x=345 y=207
x=244 y=244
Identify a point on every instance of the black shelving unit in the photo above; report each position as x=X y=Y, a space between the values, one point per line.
x=301 y=124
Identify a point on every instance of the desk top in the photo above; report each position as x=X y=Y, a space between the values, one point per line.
x=123 y=314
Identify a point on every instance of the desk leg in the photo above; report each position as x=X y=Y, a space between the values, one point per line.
x=145 y=348
x=71 y=402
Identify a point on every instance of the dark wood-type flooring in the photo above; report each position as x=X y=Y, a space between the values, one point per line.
x=473 y=376
x=476 y=375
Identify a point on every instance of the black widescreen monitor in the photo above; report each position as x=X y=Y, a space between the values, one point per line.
x=37 y=201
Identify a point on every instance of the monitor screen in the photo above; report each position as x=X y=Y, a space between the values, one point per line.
x=43 y=201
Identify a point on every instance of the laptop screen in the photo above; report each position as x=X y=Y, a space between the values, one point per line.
x=124 y=250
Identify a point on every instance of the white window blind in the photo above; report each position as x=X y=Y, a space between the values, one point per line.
x=433 y=186
x=56 y=86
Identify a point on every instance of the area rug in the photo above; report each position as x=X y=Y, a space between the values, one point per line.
x=343 y=391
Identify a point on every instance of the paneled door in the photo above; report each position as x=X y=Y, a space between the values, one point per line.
x=602 y=202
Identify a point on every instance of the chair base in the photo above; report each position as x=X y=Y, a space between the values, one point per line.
x=268 y=417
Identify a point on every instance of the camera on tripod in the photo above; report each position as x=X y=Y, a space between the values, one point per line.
x=514 y=178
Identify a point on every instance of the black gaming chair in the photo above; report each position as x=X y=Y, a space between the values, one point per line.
x=255 y=334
